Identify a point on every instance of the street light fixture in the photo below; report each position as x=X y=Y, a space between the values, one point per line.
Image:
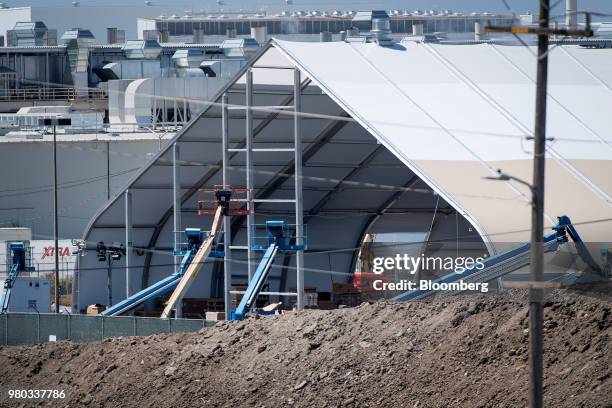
x=55 y=122
x=501 y=176
x=108 y=254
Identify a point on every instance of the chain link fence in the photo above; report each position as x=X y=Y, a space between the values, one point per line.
x=29 y=328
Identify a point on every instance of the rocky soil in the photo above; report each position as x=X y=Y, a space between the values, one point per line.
x=466 y=351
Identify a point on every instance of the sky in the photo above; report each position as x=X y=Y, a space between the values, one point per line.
x=99 y=14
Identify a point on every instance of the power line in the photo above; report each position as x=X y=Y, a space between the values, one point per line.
x=61 y=186
x=373 y=186
x=450 y=238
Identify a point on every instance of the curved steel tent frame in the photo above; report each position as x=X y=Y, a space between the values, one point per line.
x=356 y=146
x=372 y=164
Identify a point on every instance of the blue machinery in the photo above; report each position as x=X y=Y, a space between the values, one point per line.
x=506 y=262
x=194 y=253
x=166 y=285
x=197 y=249
x=18 y=263
x=278 y=239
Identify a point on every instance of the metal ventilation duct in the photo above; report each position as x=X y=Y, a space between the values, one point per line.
x=28 y=34
x=105 y=71
x=243 y=47
x=211 y=68
x=190 y=58
x=141 y=49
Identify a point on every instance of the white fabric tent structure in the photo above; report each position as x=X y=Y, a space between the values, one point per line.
x=382 y=128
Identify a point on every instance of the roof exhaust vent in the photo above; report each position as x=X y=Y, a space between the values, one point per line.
x=373 y=25
x=381 y=29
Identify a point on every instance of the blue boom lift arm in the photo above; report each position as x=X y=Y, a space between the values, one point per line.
x=277 y=241
x=256 y=283
x=18 y=260
x=160 y=288
x=197 y=248
x=509 y=261
x=193 y=269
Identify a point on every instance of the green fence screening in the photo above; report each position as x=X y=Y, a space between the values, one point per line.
x=28 y=328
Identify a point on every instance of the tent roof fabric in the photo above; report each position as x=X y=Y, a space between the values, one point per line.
x=455 y=114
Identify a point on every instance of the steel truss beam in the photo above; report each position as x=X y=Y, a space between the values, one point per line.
x=285 y=174
x=200 y=183
x=384 y=209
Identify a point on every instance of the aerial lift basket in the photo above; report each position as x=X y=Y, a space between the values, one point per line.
x=235 y=201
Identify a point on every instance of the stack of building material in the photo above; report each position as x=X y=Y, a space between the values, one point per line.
x=198 y=308
x=346 y=294
x=311 y=298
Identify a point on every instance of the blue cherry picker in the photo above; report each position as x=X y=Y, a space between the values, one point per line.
x=19 y=263
x=278 y=239
x=195 y=252
x=509 y=261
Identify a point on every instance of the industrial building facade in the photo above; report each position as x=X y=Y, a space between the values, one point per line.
x=303 y=24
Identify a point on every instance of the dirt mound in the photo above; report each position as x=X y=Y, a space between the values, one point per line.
x=461 y=351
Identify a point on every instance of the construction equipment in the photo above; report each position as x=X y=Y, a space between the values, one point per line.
x=195 y=252
x=277 y=240
x=194 y=241
x=195 y=265
x=19 y=262
x=509 y=261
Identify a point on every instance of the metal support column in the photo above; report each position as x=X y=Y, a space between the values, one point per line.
x=176 y=200
x=299 y=216
x=109 y=280
x=55 y=223
x=47 y=76
x=128 y=240
x=108 y=188
x=227 y=235
x=154 y=112
x=175 y=113
x=249 y=167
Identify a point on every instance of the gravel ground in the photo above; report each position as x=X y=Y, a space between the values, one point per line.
x=464 y=351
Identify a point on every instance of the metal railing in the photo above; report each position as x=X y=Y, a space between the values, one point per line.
x=30 y=328
x=50 y=94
